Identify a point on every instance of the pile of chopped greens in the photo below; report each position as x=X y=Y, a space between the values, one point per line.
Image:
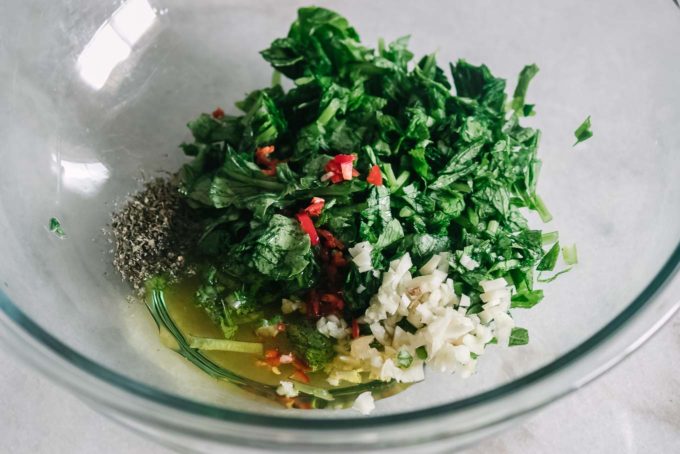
x=369 y=145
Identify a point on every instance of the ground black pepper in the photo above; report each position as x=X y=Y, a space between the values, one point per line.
x=152 y=232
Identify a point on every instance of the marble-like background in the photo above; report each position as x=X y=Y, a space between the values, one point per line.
x=633 y=409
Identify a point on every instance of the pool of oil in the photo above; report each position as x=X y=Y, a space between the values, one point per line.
x=192 y=320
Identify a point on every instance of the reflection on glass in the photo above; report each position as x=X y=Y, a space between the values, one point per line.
x=133 y=19
x=113 y=42
x=84 y=178
x=104 y=51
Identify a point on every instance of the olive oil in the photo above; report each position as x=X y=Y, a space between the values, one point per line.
x=193 y=321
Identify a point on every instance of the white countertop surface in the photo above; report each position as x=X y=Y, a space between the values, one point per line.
x=634 y=408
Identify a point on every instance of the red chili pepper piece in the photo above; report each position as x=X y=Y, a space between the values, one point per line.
x=330 y=241
x=300 y=376
x=218 y=113
x=302 y=405
x=339 y=259
x=324 y=255
x=332 y=275
x=334 y=300
x=262 y=159
x=374 y=176
x=271 y=353
x=262 y=155
x=315 y=207
x=272 y=357
x=313 y=304
x=308 y=227
x=355 y=328
x=334 y=166
x=281 y=327
x=299 y=364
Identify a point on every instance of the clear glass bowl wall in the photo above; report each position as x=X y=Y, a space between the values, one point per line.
x=95 y=95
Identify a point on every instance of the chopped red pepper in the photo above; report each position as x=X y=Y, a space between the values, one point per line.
x=313 y=304
x=308 y=227
x=339 y=259
x=272 y=357
x=262 y=158
x=218 y=113
x=271 y=353
x=300 y=376
x=334 y=164
x=262 y=155
x=330 y=240
x=299 y=364
x=335 y=301
x=315 y=207
x=340 y=168
x=280 y=327
x=355 y=328
x=332 y=275
x=302 y=405
x=324 y=254
x=374 y=176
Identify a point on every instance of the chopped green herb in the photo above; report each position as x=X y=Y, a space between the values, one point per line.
x=549 y=238
x=226 y=345
x=526 y=299
x=553 y=277
x=56 y=228
x=421 y=353
x=583 y=132
x=404 y=359
x=518 y=336
x=570 y=255
x=314 y=391
x=309 y=344
x=549 y=260
x=525 y=77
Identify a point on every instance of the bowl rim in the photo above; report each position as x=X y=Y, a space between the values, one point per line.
x=146 y=392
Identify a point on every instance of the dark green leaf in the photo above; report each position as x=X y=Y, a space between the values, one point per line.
x=283 y=251
x=56 y=228
x=549 y=260
x=528 y=73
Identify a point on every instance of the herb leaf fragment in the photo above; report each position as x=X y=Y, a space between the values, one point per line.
x=583 y=132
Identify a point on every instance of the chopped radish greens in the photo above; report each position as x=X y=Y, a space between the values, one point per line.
x=56 y=228
x=569 y=254
x=519 y=336
x=372 y=216
x=226 y=345
x=583 y=132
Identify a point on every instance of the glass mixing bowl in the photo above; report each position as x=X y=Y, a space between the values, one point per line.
x=95 y=95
